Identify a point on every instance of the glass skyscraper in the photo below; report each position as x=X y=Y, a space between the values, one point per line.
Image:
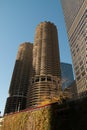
x=66 y=75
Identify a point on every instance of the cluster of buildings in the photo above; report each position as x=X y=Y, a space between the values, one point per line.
x=38 y=73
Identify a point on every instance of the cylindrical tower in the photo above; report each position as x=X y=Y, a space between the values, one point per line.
x=20 y=79
x=46 y=64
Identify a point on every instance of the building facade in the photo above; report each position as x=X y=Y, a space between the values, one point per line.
x=20 y=79
x=66 y=75
x=75 y=13
x=71 y=91
x=46 y=65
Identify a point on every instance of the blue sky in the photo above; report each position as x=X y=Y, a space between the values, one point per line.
x=18 y=21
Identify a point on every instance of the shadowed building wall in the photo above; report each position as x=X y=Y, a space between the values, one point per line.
x=75 y=12
x=20 y=79
x=46 y=65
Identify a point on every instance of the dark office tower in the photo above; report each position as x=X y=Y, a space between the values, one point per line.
x=46 y=64
x=20 y=79
x=66 y=75
x=75 y=12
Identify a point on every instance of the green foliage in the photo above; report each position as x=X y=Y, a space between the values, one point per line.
x=15 y=121
x=54 y=117
x=34 y=120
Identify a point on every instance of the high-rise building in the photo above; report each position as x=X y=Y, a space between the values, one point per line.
x=75 y=12
x=20 y=79
x=66 y=75
x=46 y=65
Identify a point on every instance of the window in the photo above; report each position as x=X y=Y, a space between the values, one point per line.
x=78 y=78
x=48 y=78
x=77 y=72
x=42 y=78
x=81 y=63
x=83 y=73
x=82 y=68
x=37 y=80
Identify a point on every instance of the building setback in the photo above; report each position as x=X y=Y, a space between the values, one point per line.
x=75 y=12
x=46 y=65
x=20 y=79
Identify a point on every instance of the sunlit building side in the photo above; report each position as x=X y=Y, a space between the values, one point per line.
x=75 y=14
x=46 y=78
